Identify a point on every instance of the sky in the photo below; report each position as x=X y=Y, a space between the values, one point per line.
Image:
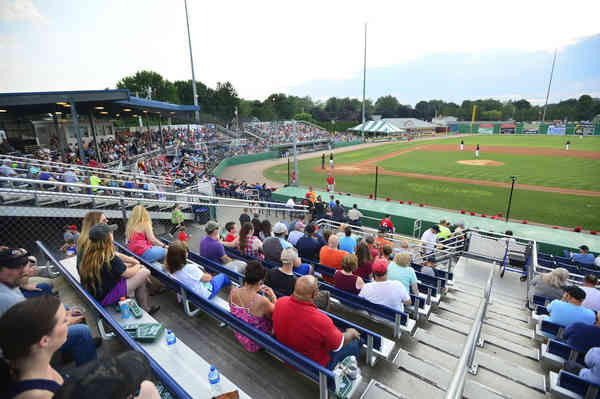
x=415 y=50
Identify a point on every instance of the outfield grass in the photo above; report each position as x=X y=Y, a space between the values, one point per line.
x=576 y=173
x=542 y=207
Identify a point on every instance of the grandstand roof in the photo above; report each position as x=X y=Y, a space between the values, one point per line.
x=108 y=103
x=380 y=126
x=410 y=123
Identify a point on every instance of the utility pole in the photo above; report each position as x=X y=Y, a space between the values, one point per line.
x=549 y=83
x=362 y=128
x=187 y=20
x=295 y=155
x=512 y=187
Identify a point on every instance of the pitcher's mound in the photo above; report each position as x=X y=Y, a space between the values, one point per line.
x=481 y=162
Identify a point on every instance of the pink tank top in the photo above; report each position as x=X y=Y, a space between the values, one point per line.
x=138 y=243
x=262 y=323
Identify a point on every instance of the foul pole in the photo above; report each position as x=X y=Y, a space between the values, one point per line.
x=187 y=20
x=549 y=83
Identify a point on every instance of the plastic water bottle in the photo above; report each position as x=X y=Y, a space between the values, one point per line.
x=171 y=339
x=124 y=308
x=214 y=379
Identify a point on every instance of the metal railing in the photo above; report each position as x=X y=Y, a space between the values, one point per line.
x=465 y=363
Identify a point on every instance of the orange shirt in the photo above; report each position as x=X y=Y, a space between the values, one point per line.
x=332 y=258
x=380 y=242
x=312 y=196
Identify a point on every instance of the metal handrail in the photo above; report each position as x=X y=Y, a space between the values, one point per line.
x=465 y=363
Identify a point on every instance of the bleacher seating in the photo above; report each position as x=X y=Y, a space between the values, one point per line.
x=569 y=385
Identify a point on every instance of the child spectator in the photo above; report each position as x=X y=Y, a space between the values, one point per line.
x=69 y=248
x=182 y=235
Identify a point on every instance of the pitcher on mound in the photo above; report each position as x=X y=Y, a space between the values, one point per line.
x=477 y=152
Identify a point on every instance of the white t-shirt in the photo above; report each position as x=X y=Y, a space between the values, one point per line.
x=389 y=293
x=295 y=236
x=190 y=276
x=592 y=298
x=290 y=203
x=429 y=237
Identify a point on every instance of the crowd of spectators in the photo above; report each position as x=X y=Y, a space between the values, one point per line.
x=281 y=132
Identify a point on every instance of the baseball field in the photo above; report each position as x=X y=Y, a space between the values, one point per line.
x=554 y=186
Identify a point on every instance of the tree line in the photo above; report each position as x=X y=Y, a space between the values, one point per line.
x=222 y=101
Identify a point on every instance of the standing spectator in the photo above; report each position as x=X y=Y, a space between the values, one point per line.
x=247 y=304
x=308 y=245
x=399 y=270
x=140 y=236
x=346 y=278
x=383 y=291
x=337 y=212
x=320 y=208
x=354 y=216
x=348 y=243
x=365 y=260
x=444 y=230
x=592 y=294
x=13 y=266
x=105 y=276
x=296 y=233
x=177 y=219
x=331 y=256
x=311 y=195
x=330 y=183
x=210 y=246
x=273 y=246
x=429 y=239
x=30 y=332
x=202 y=283
x=71 y=233
x=331 y=202
x=386 y=224
x=244 y=217
x=298 y=324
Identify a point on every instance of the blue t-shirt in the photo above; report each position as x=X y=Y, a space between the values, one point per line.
x=565 y=313
x=587 y=259
x=347 y=244
x=406 y=275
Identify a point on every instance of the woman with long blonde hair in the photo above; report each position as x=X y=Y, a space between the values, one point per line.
x=106 y=277
x=550 y=284
x=140 y=236
x=91 y=219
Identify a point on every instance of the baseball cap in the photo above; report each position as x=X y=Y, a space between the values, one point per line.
x=279 y=228
x=380 y=266
x=13 y=258
x=100 y=231
x=72 y=227
x=577 y=293
x=436 y=228
x=211 y=226
x=112 y=377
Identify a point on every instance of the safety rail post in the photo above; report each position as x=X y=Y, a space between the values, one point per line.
x=465 y=363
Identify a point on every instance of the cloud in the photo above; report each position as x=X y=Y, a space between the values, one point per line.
x=20 y=10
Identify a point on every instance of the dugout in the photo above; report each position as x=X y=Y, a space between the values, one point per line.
x=404 y=217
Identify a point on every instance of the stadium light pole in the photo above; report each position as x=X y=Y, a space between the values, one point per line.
x=295 y=156
x=362 y=127
x=512 y=187
x=187 y=20
x=549 y=83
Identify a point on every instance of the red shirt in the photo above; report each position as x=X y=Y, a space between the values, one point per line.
x=182 y=236
x=330 y=180
x=304 y=328
x=387 y=223
x=229 y=237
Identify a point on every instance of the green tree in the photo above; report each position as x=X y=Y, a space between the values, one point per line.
x=138 y=84
x=303 y=116
x=225 y=99
x=387 y=106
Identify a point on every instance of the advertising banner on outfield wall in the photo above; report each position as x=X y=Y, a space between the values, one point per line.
x=557 y=130
x=486 y=128
x=508 y=128
x=587 y=129
x=530 y=128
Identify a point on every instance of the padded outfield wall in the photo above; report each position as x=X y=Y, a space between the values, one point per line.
x=404 y=216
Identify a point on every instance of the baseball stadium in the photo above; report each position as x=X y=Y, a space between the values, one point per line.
x=171 y=239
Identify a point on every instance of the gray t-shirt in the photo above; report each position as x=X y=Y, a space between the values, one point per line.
x=9 y=297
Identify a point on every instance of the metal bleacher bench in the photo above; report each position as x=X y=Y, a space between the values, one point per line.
x=559 y=352
x=321 y=375
x=569 y=385
x=180 y=362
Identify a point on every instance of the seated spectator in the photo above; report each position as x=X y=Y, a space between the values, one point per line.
x=140 y=236
x=69 y=248
x=404 y=248
x=308 y=245
x=348 y=243
x=299 y=219
x=70 y=232
x=273 y=246
x=296 y=233
x=33 y=290
x=30 y=332
x=331 y=256
x=444 y=230
x=383 y=291
x=257 y=224
x=14 y=265
x=400 y=270
x=370 y=240
x=584 y=256
x=386 y=252
x=210 y=246
x=232 y=232
x=247 y=304
x=381 y=242
x=247 y=243
x=345 y=279
x=386 y=224
x=592 y=294
x=105 y=276
x=549 y=284
x=583 y=336
x=428 y=267
x=291 y=202
x=202 y=283
x=244 y=217
x=282 y=279
x=265 y=231
x=354 y=216
x=298 y=324
x=592 y=361
x=569 y=310
x=365 y=260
